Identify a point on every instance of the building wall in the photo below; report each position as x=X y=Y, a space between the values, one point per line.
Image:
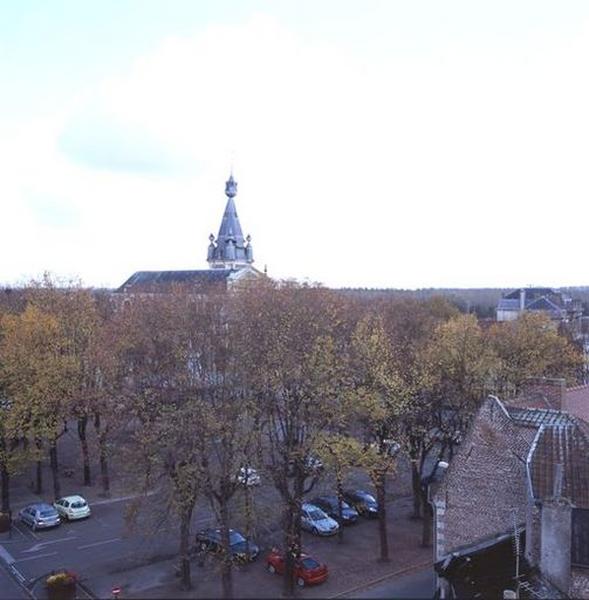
x=533 y=533
x=507 y=315
x=555 y=556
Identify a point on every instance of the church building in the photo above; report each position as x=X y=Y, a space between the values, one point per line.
x=230 y=257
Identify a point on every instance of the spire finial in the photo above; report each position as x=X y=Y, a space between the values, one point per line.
x=230 y=186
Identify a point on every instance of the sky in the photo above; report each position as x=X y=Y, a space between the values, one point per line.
x=387 y=144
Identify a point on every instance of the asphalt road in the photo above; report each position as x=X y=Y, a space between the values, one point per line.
x=414 y=585
x=100 y=545
x=103 y=551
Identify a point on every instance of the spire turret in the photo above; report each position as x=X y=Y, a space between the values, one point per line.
x=230 y=250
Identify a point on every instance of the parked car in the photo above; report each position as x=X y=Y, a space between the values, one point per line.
x=248 y=476
x=311 y=465
x=72 y=508
x=330 y=505
x=313 y=519
x=307 y=570
x=39 y=516
x=362 y=501
x=209 y=540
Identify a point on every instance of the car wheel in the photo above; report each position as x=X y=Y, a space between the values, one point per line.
x=300 y=582
x=271 y=568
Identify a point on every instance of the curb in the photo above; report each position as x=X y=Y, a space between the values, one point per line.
x=363 y=586
x=8 y=562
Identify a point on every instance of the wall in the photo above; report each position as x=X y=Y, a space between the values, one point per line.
x=555 y=556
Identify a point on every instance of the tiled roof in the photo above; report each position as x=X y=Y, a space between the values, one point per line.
x=576 y=401
x=567 y=445
x=148 y=279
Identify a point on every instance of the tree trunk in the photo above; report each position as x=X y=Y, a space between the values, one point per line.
x=416 y=485
x=54 y=469
x=292 y=530
x=226 y=566
x=289 y=550
x=249 y=517
x=82 y=423
x=185 y=577
x=103 y=455
x=426 y=532
x=340 y=496
x=5 y=479
x=39 y=468
x=382 y=517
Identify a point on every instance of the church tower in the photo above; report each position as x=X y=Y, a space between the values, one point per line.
x=230 y=250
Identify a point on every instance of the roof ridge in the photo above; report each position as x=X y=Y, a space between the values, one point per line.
x=577 y=387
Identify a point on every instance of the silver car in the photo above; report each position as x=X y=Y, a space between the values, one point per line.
x=313 y=519
x=39 y=516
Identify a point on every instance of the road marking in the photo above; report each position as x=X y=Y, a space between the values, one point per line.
x=19 y=560
x=6 y=556
x=99 y=543
x=24 y=533
x=40 y=545
x=121 y=499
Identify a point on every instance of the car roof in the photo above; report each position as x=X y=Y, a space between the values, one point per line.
x=309 y=506
x=327 y=498
x=73 y=498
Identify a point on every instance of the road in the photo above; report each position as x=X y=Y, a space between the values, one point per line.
x=414 y=585
x=105 y=553
x=100 y=545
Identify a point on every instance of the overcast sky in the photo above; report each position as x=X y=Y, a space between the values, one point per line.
x=375 y=144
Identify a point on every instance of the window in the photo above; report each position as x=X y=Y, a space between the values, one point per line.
x=580 y=537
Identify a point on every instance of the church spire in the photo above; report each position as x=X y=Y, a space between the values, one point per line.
x=230 y=250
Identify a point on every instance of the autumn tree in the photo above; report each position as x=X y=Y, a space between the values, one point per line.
x=40 y=377
x=381 y=393
x=293 y=369
x=531 y=346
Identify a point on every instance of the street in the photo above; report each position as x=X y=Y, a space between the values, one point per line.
x=105 y=553
x=419 y=585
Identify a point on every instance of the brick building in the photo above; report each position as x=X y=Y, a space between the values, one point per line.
x=520 y=473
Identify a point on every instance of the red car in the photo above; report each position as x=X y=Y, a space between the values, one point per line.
x=307 y=570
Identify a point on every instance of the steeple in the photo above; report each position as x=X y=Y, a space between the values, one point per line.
x=230 y=250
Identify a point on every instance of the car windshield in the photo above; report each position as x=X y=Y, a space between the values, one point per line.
x=47 y=513
x=236 y=538
x=367 y=497
x=316 y=515
x=310 y=563
x=79 y=504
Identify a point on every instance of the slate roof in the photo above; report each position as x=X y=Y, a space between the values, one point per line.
x=532 y=293
x=145 y=280
x=535 y=417
x=567 y=445
x=230 y=246
x=508 y=304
